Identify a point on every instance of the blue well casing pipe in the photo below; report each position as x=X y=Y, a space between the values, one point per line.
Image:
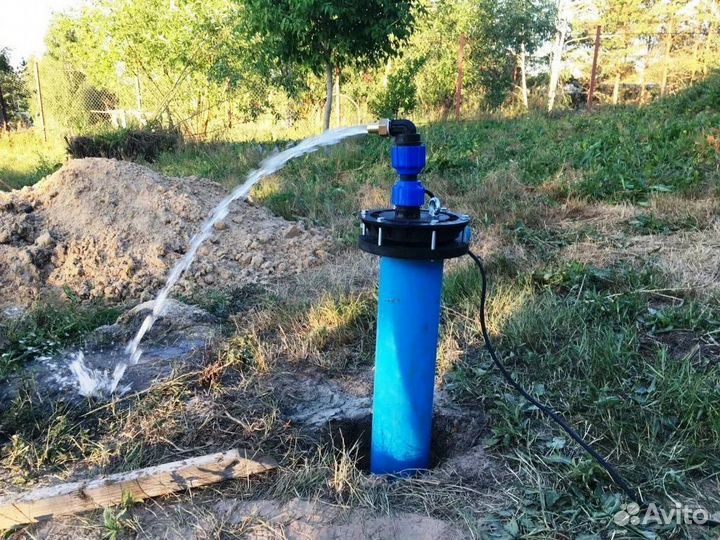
x=407 y=337
x=412 y=243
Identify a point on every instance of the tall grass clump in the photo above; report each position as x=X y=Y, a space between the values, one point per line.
x=25 y=159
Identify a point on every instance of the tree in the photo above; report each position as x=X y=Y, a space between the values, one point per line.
x=659 y=41
x=399 y=93
x=5 y=69
x=511 y=30
x=328 y=35
x=13 y=92
x=682 y=25
x=569 y=17
x=706 y=52
x=624 y=23
x=434 y=48
x=561 y=31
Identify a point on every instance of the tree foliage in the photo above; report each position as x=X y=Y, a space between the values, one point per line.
x=435 y=43
x=399 y=95
x=508 y=31
x=13 y=92
x=314 y=33
x=325 y=36
x=202 y=64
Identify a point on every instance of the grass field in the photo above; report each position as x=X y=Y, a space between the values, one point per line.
x=25 y=159
x=619 y=337
x=617 y=154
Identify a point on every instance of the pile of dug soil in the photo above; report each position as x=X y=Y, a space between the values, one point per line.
x=112 y=229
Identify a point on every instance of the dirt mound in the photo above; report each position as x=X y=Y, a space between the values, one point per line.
x=112 y=229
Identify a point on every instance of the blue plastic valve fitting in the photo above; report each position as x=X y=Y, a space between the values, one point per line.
x=408 y=161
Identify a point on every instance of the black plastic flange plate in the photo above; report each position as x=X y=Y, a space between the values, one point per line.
x=430 y=237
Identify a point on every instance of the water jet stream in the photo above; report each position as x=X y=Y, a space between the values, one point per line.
x=92 y=382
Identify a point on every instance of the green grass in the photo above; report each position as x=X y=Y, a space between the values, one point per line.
x=615 y=154
x=25 y=159
x=224 y=162
x=603 y=348
x=647 y=223
x=48 y=326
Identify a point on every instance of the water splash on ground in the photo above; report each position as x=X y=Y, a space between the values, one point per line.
x=94 y=382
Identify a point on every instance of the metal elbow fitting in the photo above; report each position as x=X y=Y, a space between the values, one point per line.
x=381 y=127
x=404 y=131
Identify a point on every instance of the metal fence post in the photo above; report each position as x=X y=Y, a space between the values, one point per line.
x=138 y=95
x=460 y=73
x=593 y=75
x=40 y=101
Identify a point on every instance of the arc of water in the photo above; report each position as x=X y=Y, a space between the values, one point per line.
x=267 y=167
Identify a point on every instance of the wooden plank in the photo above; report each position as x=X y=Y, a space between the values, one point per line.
x=140 y=484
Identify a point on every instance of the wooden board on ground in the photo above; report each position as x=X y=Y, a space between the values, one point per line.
x=140 y=484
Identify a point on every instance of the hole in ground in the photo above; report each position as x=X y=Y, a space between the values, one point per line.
x=454 y=432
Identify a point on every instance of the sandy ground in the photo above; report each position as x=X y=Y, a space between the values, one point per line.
x=112 y=229
x=264 y=519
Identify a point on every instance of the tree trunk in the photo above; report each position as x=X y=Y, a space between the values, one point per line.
x=616 y=89
x=556 y=58
x=593 y=72
x=555 y=68
x=523 y=77
x=706 y=52
x=329 y=96
x=668 y=49
x=3 y=109
x=338 y=112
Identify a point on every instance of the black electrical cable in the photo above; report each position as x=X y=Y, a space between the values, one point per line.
x=559 y=420
x=618 y=478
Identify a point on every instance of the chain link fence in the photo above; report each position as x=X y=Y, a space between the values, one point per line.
x=64 y=102
x=61 y=102
x=58 y=101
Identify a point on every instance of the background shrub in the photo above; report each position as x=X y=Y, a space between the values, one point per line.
x=131 y=144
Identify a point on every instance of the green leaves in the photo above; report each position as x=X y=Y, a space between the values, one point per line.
x=311 y=33
x=399 y=96
x=188 y=56
x=504 y=28
x=5 y=66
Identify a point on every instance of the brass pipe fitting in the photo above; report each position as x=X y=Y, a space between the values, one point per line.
x=381 y=127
